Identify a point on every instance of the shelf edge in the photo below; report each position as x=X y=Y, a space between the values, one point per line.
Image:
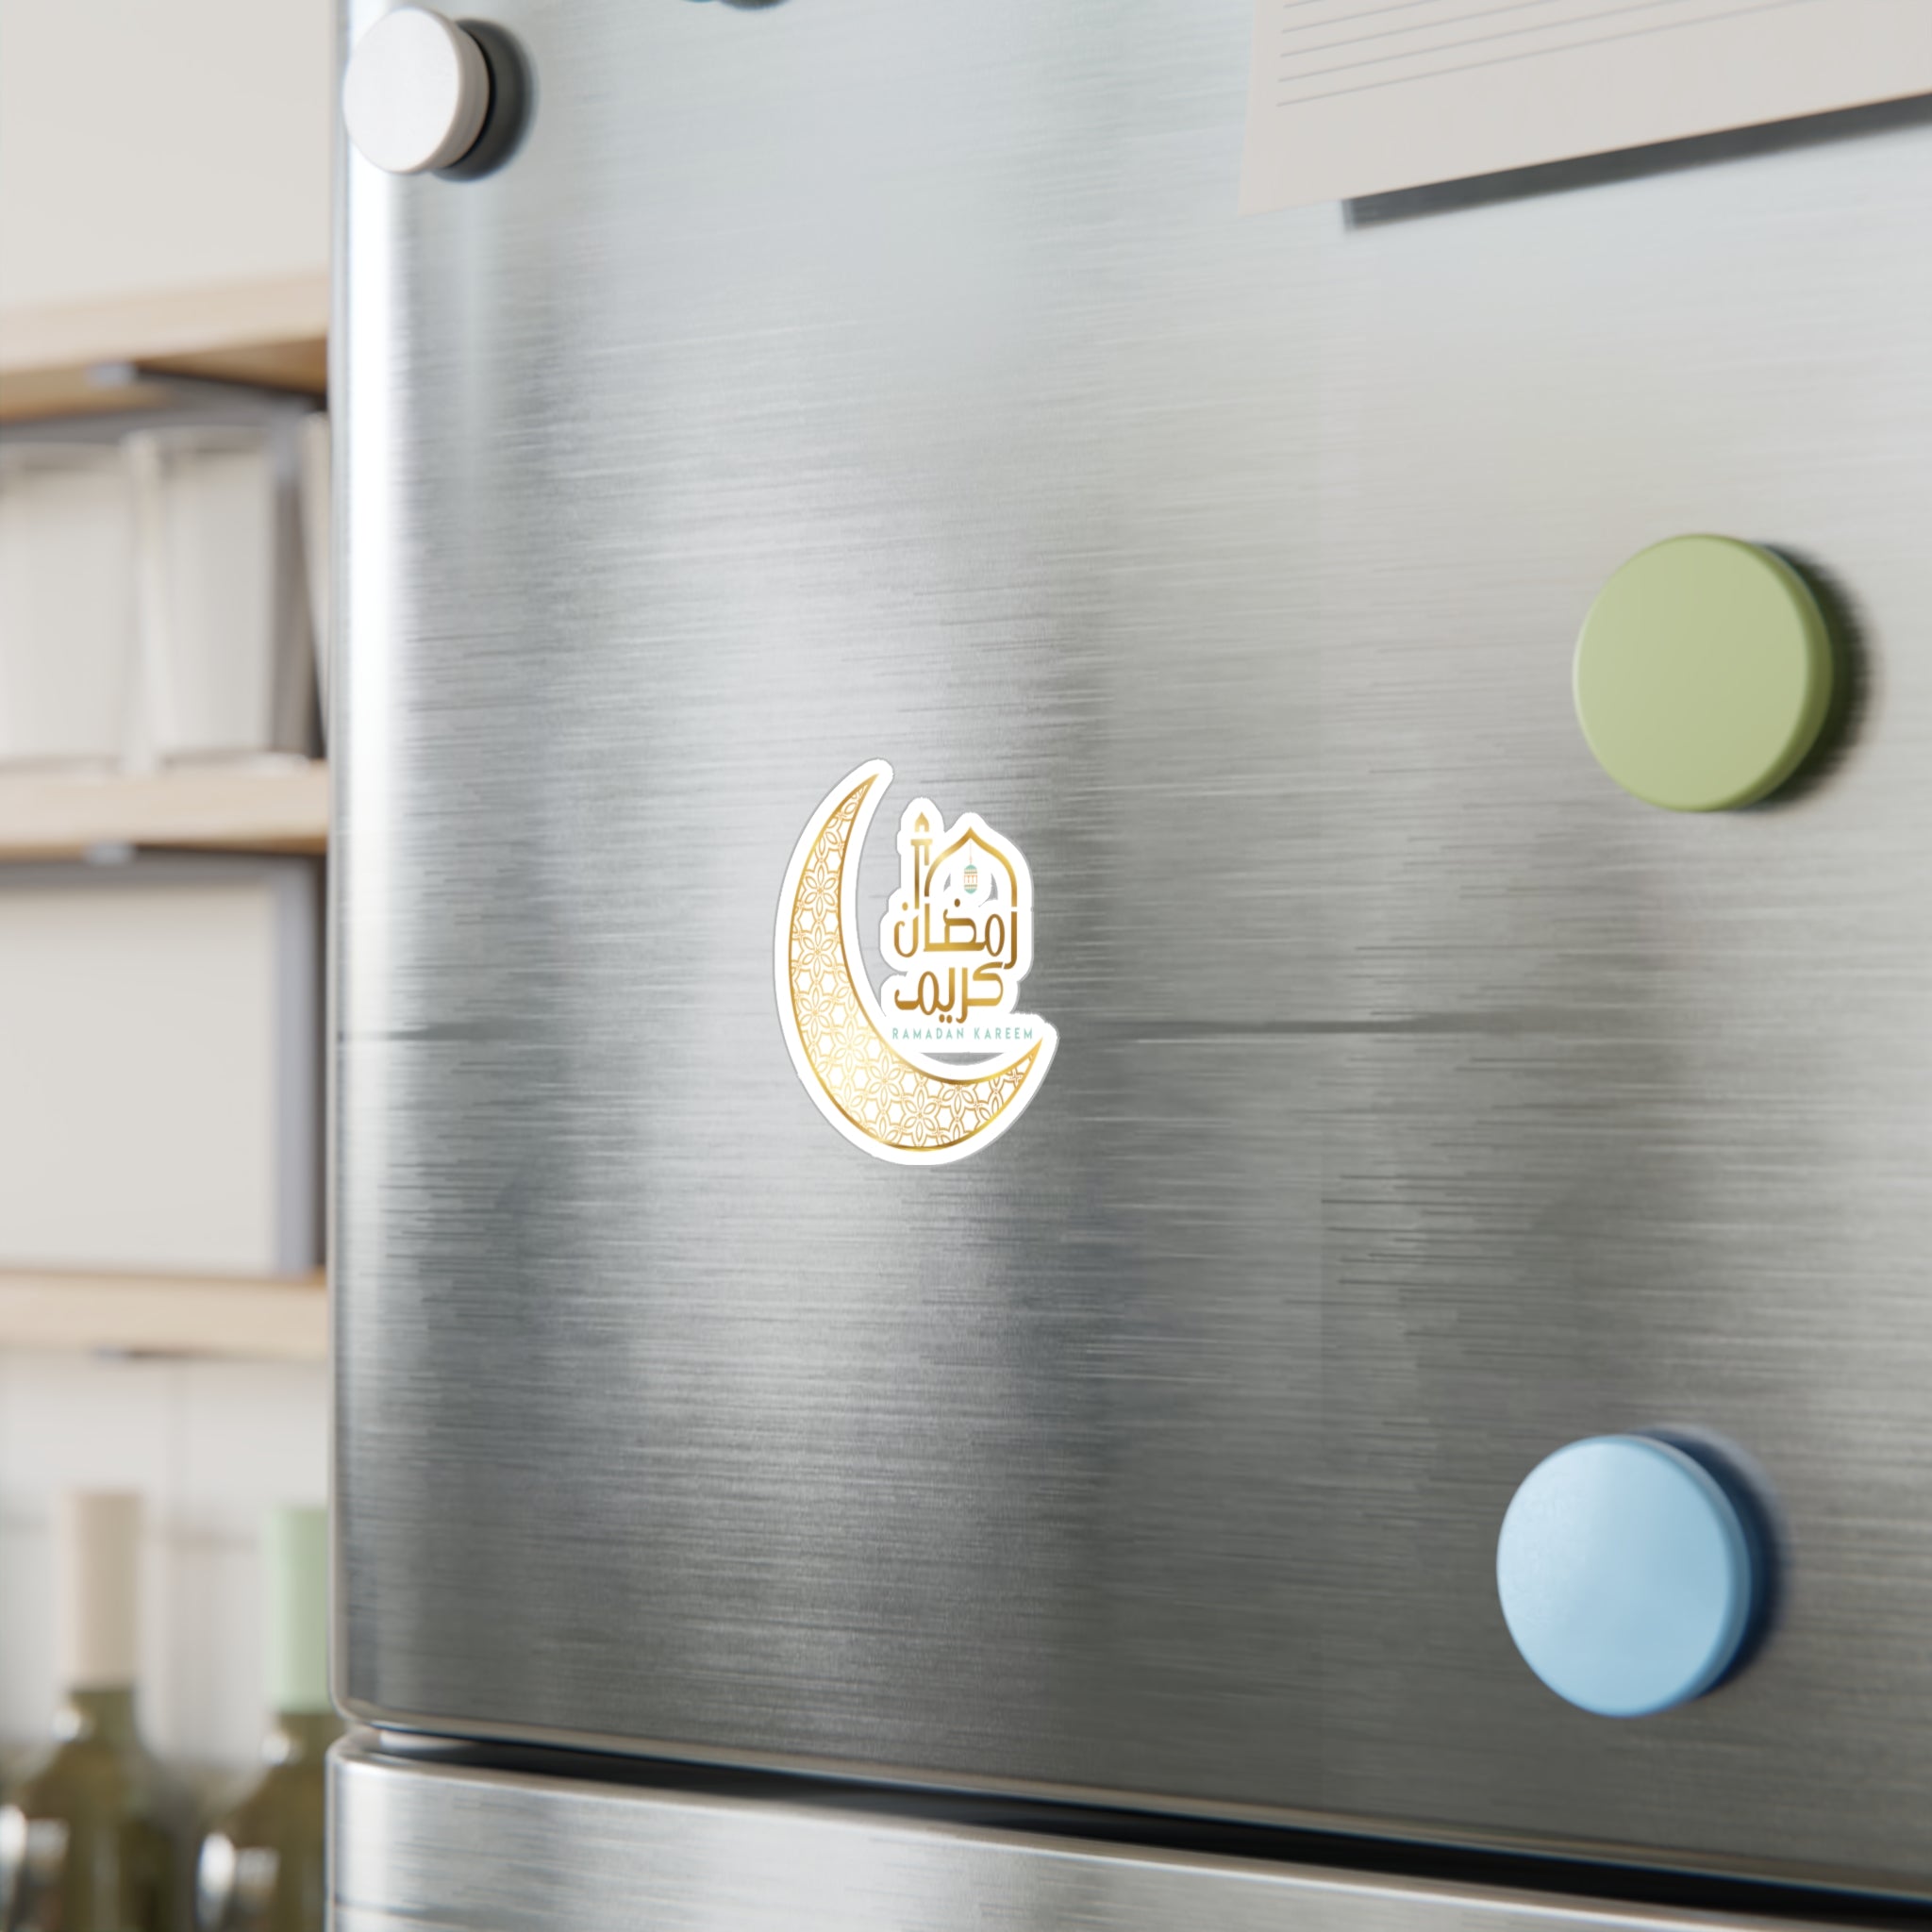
x=240 y=1318
x=197 y=322
x=65 y=816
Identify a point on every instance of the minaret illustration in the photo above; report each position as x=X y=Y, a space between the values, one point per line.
x=921 y=856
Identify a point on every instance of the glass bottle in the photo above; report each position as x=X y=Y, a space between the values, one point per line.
x=261 y=1864
x=92 y=1841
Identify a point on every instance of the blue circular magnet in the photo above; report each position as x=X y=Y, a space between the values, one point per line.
x=1626 y=1576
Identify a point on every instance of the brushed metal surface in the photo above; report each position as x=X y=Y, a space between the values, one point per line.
x=436 y=1850
x=843 y=379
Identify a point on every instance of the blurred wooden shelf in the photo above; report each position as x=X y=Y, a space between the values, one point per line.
x=88 y=356
x=265 y=808
x=165 y=1314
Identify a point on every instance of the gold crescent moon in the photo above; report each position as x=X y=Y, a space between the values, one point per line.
x=885 y=1101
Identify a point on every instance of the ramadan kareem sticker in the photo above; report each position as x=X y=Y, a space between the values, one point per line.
x=958 y=938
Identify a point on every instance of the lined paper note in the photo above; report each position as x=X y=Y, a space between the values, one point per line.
x=1353 y=97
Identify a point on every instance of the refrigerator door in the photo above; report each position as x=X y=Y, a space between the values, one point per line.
x=422 y=1849
x=847 y=380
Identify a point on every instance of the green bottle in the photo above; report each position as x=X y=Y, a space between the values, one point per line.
x=93 y=1840
x=261 y=1864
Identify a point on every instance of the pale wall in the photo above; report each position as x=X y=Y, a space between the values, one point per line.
x=158 y=144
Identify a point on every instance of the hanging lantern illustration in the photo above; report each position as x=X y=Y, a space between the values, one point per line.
x=972 y=876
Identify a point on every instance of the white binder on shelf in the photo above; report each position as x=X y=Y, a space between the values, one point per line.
x=160 y=1098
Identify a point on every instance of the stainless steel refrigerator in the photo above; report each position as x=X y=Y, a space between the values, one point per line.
x=788 y=1473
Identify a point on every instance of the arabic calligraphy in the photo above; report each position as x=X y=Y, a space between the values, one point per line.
x=957 y=933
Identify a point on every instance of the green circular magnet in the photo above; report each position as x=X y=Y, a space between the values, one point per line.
x=1703 y=673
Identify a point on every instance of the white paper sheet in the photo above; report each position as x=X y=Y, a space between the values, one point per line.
x=1354 y=97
